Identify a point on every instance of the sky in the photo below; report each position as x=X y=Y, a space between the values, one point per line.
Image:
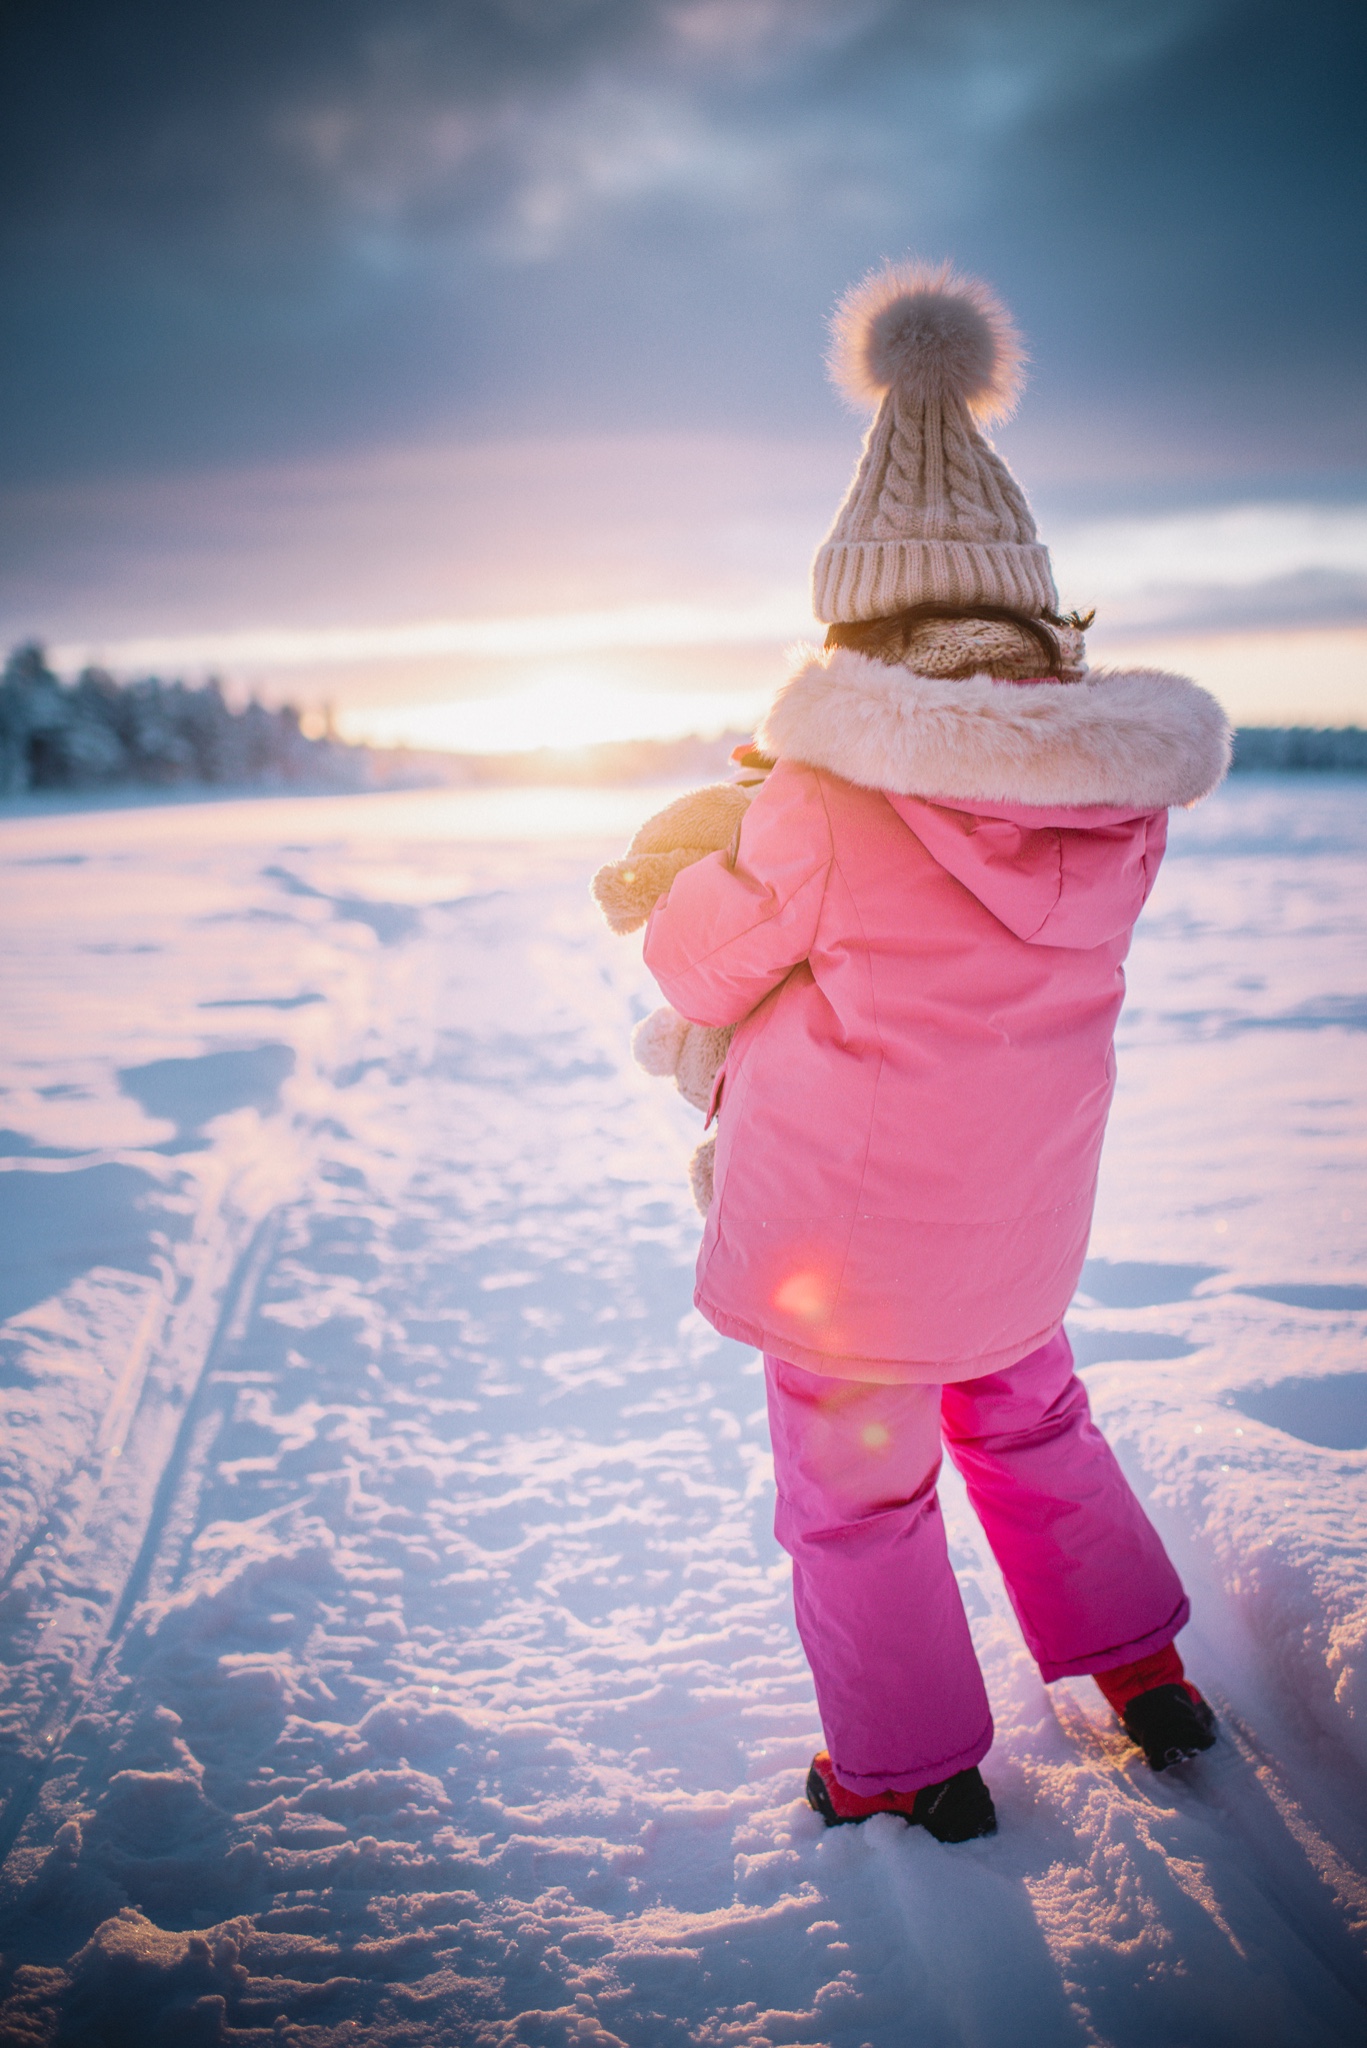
x=461 y=364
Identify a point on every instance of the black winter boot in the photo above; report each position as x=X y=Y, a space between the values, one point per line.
x=1170 y=1723
x=958 y=1810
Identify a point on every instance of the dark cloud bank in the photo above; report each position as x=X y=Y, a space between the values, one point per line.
x=236 y=232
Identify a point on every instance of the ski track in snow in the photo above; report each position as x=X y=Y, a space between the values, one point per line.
x=395 y=1644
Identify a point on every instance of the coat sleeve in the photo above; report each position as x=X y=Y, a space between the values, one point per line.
x=729 y=932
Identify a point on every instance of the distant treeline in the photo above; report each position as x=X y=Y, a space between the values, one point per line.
x=96 y=732
x=1290 y=749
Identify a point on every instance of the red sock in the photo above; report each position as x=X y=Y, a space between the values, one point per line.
x=1124 y=1682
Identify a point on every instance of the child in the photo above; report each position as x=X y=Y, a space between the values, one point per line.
x=921 y=936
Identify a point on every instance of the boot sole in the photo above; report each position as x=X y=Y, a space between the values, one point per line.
x=1180 y=1755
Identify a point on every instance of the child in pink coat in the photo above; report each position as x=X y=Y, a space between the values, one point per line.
x=920 y=935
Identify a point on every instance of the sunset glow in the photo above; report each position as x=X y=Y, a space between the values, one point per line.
x=1262 y=603
x=567 y=707
x=471 y=1496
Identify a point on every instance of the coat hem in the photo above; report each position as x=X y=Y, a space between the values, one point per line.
x=872 y=1371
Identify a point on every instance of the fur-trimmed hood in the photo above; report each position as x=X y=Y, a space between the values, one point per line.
x=1128 y=737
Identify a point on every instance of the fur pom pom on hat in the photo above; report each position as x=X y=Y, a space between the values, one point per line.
x=933 y=512
x=927 y=334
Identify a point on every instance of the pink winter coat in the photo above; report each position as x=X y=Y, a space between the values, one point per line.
x=927 y=983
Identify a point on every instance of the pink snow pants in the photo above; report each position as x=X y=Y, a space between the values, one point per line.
x=879 y=1611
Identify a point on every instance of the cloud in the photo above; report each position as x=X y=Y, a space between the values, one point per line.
x=783 y=616
x=258 y=124
x=1308 y=598
x=385 y=332
x=1221 y=567
x=263 y=227
x=386 y=536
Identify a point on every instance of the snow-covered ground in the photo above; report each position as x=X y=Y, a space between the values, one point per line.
x=396 y=1647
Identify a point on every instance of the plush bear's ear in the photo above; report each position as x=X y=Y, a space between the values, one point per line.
x=627 y=890
x=707 y=819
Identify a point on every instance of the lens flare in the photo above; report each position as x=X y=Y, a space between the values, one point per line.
x=804 y=1295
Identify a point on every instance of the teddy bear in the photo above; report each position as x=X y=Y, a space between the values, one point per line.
x=704 y=821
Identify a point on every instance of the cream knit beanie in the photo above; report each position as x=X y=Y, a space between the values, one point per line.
x=933 y=512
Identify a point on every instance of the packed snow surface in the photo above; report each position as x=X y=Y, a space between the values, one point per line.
x=396 y=1646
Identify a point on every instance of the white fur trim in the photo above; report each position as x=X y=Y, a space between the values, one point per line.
x=1129 y=736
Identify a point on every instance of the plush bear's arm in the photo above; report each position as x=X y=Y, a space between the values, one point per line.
x=627 y=890
x=701 y=1052
x=658 y=1040
x=666 y=1043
